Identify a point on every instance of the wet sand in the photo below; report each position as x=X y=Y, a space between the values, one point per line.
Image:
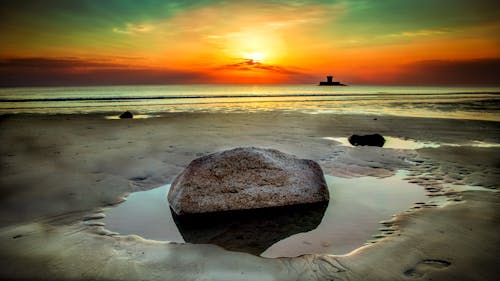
x=57 y=172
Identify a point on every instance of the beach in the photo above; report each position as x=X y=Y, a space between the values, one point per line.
x=250 y=140
x=60 y=171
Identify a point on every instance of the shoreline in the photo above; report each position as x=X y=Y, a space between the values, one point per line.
x=114 y=115
x=58 y=168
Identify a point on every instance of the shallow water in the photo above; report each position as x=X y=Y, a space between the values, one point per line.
x=136 y=116
x=145 y=213
x=480 y=103
x=400 y=143
x=351 y=218
x=390 y=142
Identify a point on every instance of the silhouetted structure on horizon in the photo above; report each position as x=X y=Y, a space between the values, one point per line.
x=330 y=82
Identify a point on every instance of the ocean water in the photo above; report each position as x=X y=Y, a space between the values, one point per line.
x=479 y=103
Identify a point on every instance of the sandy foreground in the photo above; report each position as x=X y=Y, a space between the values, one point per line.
x=58 y=172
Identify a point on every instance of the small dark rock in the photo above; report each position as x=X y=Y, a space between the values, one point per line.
x=126 y=114
x=370 y=140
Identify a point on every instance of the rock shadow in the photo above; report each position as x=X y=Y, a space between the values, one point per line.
x=250 y=231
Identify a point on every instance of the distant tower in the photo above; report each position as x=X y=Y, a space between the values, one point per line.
x=330 y=82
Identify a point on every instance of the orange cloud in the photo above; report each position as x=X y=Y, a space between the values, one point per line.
x=250 y=65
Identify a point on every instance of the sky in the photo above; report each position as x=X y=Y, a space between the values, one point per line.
x=386 y=42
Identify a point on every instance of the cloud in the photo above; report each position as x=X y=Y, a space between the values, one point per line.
x=53 y=63
x=420 y=33
x=39 y=71
x=248 y=71
x=134 y=28
x=74 y=71
x=451 y=72
x=250 y=65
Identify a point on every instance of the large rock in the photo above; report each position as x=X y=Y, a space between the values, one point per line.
x=246 y=178
x=370 y=140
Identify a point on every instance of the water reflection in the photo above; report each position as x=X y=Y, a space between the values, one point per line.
x=339 y=226
x=391 y=142
x=145 y=213
x=356 y=206
x=250 y=231
x=477 y=103
x=400 y=143
x=136 y=116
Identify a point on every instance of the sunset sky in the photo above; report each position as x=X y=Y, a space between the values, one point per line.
x=402 y=42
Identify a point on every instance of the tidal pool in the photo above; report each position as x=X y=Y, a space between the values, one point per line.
x=345 y=223
x=400 y=143
x=390 y=142
x=136 y=116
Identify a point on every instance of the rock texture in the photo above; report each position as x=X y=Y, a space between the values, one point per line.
x=370 y=140
x=246 y=178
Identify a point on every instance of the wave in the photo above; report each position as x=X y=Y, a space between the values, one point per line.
x=124 y=98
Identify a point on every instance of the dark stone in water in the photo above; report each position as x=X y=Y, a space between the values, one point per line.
x=370 y=140
x=126 y=114
x=251 y=231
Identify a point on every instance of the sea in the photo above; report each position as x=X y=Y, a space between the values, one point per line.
x=475 y=103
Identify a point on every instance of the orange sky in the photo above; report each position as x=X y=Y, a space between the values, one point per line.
x=359 y=42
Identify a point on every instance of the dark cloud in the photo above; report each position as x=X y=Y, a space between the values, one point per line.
x=72 y=71
x=250 y=65
x=17 y=63
x=458 y=72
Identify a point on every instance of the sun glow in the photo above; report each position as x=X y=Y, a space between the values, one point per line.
x=254 y=56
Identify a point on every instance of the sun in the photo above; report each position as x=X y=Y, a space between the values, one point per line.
x=254 y=56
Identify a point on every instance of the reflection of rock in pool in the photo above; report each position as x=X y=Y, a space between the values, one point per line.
x=251 y=231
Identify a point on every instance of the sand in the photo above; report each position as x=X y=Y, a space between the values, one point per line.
x=58 y=172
